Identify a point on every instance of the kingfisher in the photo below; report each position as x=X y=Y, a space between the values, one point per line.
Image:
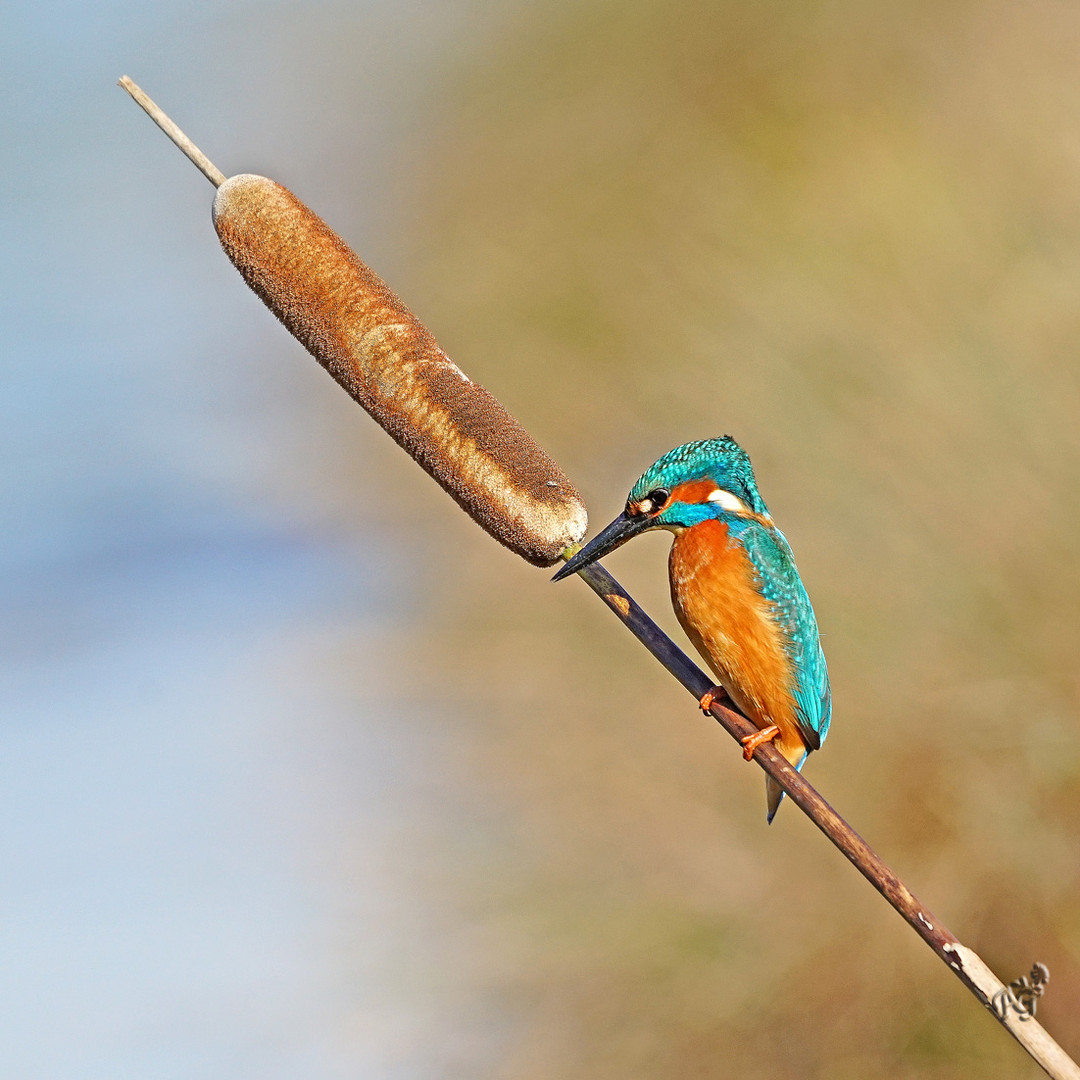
x=736 y=592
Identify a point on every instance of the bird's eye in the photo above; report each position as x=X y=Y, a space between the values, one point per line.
x=657 y=497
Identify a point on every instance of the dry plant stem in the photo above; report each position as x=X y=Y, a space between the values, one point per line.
x=968 y=967
x=964 y=962
x=194 y=154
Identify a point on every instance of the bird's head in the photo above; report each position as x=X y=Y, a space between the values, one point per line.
x=712 y=478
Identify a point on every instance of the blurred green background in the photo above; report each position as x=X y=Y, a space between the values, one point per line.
x=307 y=776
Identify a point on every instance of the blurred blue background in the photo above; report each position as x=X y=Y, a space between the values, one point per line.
x=302 y=775
x=183 y=764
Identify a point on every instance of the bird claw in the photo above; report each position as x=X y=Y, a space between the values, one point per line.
x=709 y=697
x=751 y=742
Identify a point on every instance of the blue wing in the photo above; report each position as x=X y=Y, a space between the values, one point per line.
x=781 y=585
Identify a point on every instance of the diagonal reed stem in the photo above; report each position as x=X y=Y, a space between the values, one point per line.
x=967 y=965
x=180 y=140
x=963 y=961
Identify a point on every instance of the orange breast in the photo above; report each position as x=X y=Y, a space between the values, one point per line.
x=730 y=623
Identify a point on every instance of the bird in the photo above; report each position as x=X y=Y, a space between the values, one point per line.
x=736 y=592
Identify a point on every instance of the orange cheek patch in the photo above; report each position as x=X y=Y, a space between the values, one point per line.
x=693 y=491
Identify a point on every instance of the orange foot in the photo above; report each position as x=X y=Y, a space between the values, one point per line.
x=709 y=697
x=752 y=742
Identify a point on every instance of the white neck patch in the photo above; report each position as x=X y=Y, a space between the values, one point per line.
x=727 y=501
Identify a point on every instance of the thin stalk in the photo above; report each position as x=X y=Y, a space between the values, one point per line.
x=964 y=962
x=182 y=142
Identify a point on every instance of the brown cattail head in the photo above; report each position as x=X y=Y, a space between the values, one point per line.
x=347 y=318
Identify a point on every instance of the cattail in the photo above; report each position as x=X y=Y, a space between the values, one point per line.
x=378 y=351
x=385 y=358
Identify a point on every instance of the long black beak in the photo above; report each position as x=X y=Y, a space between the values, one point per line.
x=617 y=533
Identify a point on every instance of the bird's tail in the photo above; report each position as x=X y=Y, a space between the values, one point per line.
x=774 y=793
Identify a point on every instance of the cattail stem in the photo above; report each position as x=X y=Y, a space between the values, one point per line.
x=968 y=967
x=449 y=436
x=194 y=154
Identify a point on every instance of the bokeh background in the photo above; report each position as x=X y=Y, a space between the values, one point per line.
x=301 y=774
